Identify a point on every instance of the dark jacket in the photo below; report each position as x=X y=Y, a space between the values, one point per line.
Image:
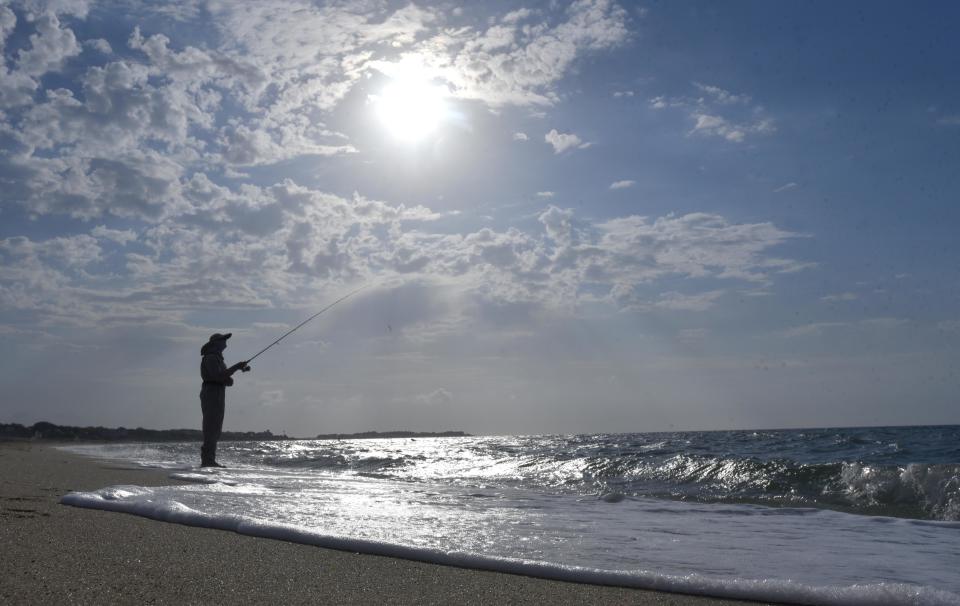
x=214 y=370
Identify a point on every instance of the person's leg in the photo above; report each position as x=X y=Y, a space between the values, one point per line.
x=212 y=405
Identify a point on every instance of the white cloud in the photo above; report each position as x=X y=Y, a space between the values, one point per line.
x=271 y=398
x=785 y=187
x=812 y=329
x=511 y=63
x=50 y=46
x=437 y=397
x=686 y=302
x=129 y=136
x=952 y=120
x=819 y=328
x=723 y=97
x=100 y=45
x=266 y=247
x=626 y=183
x=622 y=93
x=562 y=142
x=720 y=113
x=844 y=296
x=520 y=137
x=712 y=125
x=120 y=236
x=545 y=194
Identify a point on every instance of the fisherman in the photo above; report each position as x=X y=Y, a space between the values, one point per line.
x=216 y=378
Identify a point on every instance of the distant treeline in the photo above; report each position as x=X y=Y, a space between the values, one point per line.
x=392 y=434
x=49 y=431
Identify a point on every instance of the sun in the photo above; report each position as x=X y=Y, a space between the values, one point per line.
x=411 y=106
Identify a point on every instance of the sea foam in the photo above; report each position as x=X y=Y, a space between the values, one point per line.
x=148 y=503
x=774 y=515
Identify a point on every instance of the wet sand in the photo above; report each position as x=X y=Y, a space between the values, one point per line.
x=54 y=554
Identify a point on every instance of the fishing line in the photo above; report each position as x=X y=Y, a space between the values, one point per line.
x=294 y=329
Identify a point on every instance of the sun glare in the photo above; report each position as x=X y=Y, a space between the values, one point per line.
x=411 y=106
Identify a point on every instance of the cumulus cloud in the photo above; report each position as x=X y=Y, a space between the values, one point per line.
x=129 y=136
x=626 y=183
x=562 y=142
x=147 y=144
x=268 y=246
x=520 y=137
x=520 y=64
x=50 y=46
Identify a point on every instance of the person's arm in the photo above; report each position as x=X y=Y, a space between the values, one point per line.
x=215 y=371
x=238 y=366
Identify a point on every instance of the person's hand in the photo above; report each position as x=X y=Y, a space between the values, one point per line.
x=245 y=367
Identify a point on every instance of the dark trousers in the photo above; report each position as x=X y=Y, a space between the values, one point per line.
x=212 y=403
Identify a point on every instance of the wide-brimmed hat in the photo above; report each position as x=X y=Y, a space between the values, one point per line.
x=220 y=336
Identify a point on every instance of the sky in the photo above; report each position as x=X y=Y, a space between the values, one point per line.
x=569 y=217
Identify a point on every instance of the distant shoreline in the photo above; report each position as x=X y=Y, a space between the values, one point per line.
x=69 y=433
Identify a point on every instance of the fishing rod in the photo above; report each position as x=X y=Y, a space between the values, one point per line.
x=294 y=329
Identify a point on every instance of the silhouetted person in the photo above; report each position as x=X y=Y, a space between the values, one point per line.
x=216 y=378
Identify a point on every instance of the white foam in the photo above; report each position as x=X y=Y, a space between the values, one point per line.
x=160 y=504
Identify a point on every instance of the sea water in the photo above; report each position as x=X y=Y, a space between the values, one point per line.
x=825 y=516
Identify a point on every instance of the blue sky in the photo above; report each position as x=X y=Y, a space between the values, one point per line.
x=573 y=217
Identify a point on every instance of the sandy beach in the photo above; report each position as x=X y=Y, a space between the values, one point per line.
x=54 y=553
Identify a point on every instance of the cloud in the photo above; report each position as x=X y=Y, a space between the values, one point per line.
x=520 y=137
x=271 y=247
x=626 y=183
x=562 y=142
x=622 y=93
x=50 y=46
x=712 y=125
x=671 y=300
x=147 y=142
x=129 y=127
x=437 y=397
x=512 y=63
x=723 y=97
x=812 y=329
x=100 y=45
x=844 y=296
x=785 y=187
x=720 y=113
x=819 y=328
x=120 y=236
x=951 y=120
x=272 y=398
x=545 y=194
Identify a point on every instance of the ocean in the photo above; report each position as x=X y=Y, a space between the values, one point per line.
x=815 y=516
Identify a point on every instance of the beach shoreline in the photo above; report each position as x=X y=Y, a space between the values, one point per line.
x=55 y=553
